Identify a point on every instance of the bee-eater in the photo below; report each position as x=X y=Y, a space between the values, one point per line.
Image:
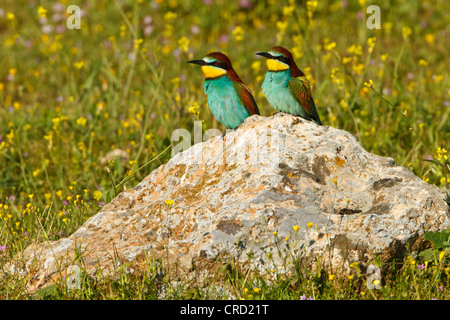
x=286 y=87
x=229 y=99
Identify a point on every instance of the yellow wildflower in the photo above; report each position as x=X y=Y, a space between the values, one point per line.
x=42 y=12
x=169 y=203
x=346 y=60
x=123 y=28
x=371 y=43
x=369 y=84
x=297 y=52
x=256 y=66
x=47 y=196
x=81 y=121
x=429 y=38
x=311 y=7
x=82 y=146
x=441 y=154
x=443 y=181
x=282 y=25
x=79 y=65
x=137 y=43
x=183 y=42
x=169 y=16
x=330 y=46
x=287 y=10
x=423 y=62
x=10 y=135
x=358 y=68
x=10 y=16
x=438 y=78
x=194 y=109
x=343 y=104
x=406 y=32
x=356 y=50
x=238 y=33
x=97 y=195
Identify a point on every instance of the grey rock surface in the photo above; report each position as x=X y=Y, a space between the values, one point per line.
x=232 y=192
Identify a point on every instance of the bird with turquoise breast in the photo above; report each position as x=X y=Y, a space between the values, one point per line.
x=286 y=87
x=229 y=99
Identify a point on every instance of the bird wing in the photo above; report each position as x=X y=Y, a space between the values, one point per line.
x=300 y=90
x=246 y=97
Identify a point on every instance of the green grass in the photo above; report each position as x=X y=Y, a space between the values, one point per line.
x=69 y=97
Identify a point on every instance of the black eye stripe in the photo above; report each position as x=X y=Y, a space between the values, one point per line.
x=283 y=59
x=219 y=64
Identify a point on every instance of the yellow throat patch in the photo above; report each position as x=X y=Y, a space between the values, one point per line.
x=276 y=65
x=212 y=72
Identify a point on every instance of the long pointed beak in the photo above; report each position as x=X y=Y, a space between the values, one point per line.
x=265 y=55
x=199 y=62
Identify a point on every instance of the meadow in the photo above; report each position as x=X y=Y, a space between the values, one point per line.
x=120 y=83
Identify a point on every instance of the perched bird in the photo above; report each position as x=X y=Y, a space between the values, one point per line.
x=286 y=87
x=229 y=99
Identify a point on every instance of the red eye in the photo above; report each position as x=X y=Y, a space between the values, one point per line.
x=215 y=63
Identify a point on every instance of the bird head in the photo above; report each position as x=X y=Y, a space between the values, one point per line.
x=280 y=59
x=214 y=65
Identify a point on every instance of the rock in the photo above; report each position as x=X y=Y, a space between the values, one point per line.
x=232 y=192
